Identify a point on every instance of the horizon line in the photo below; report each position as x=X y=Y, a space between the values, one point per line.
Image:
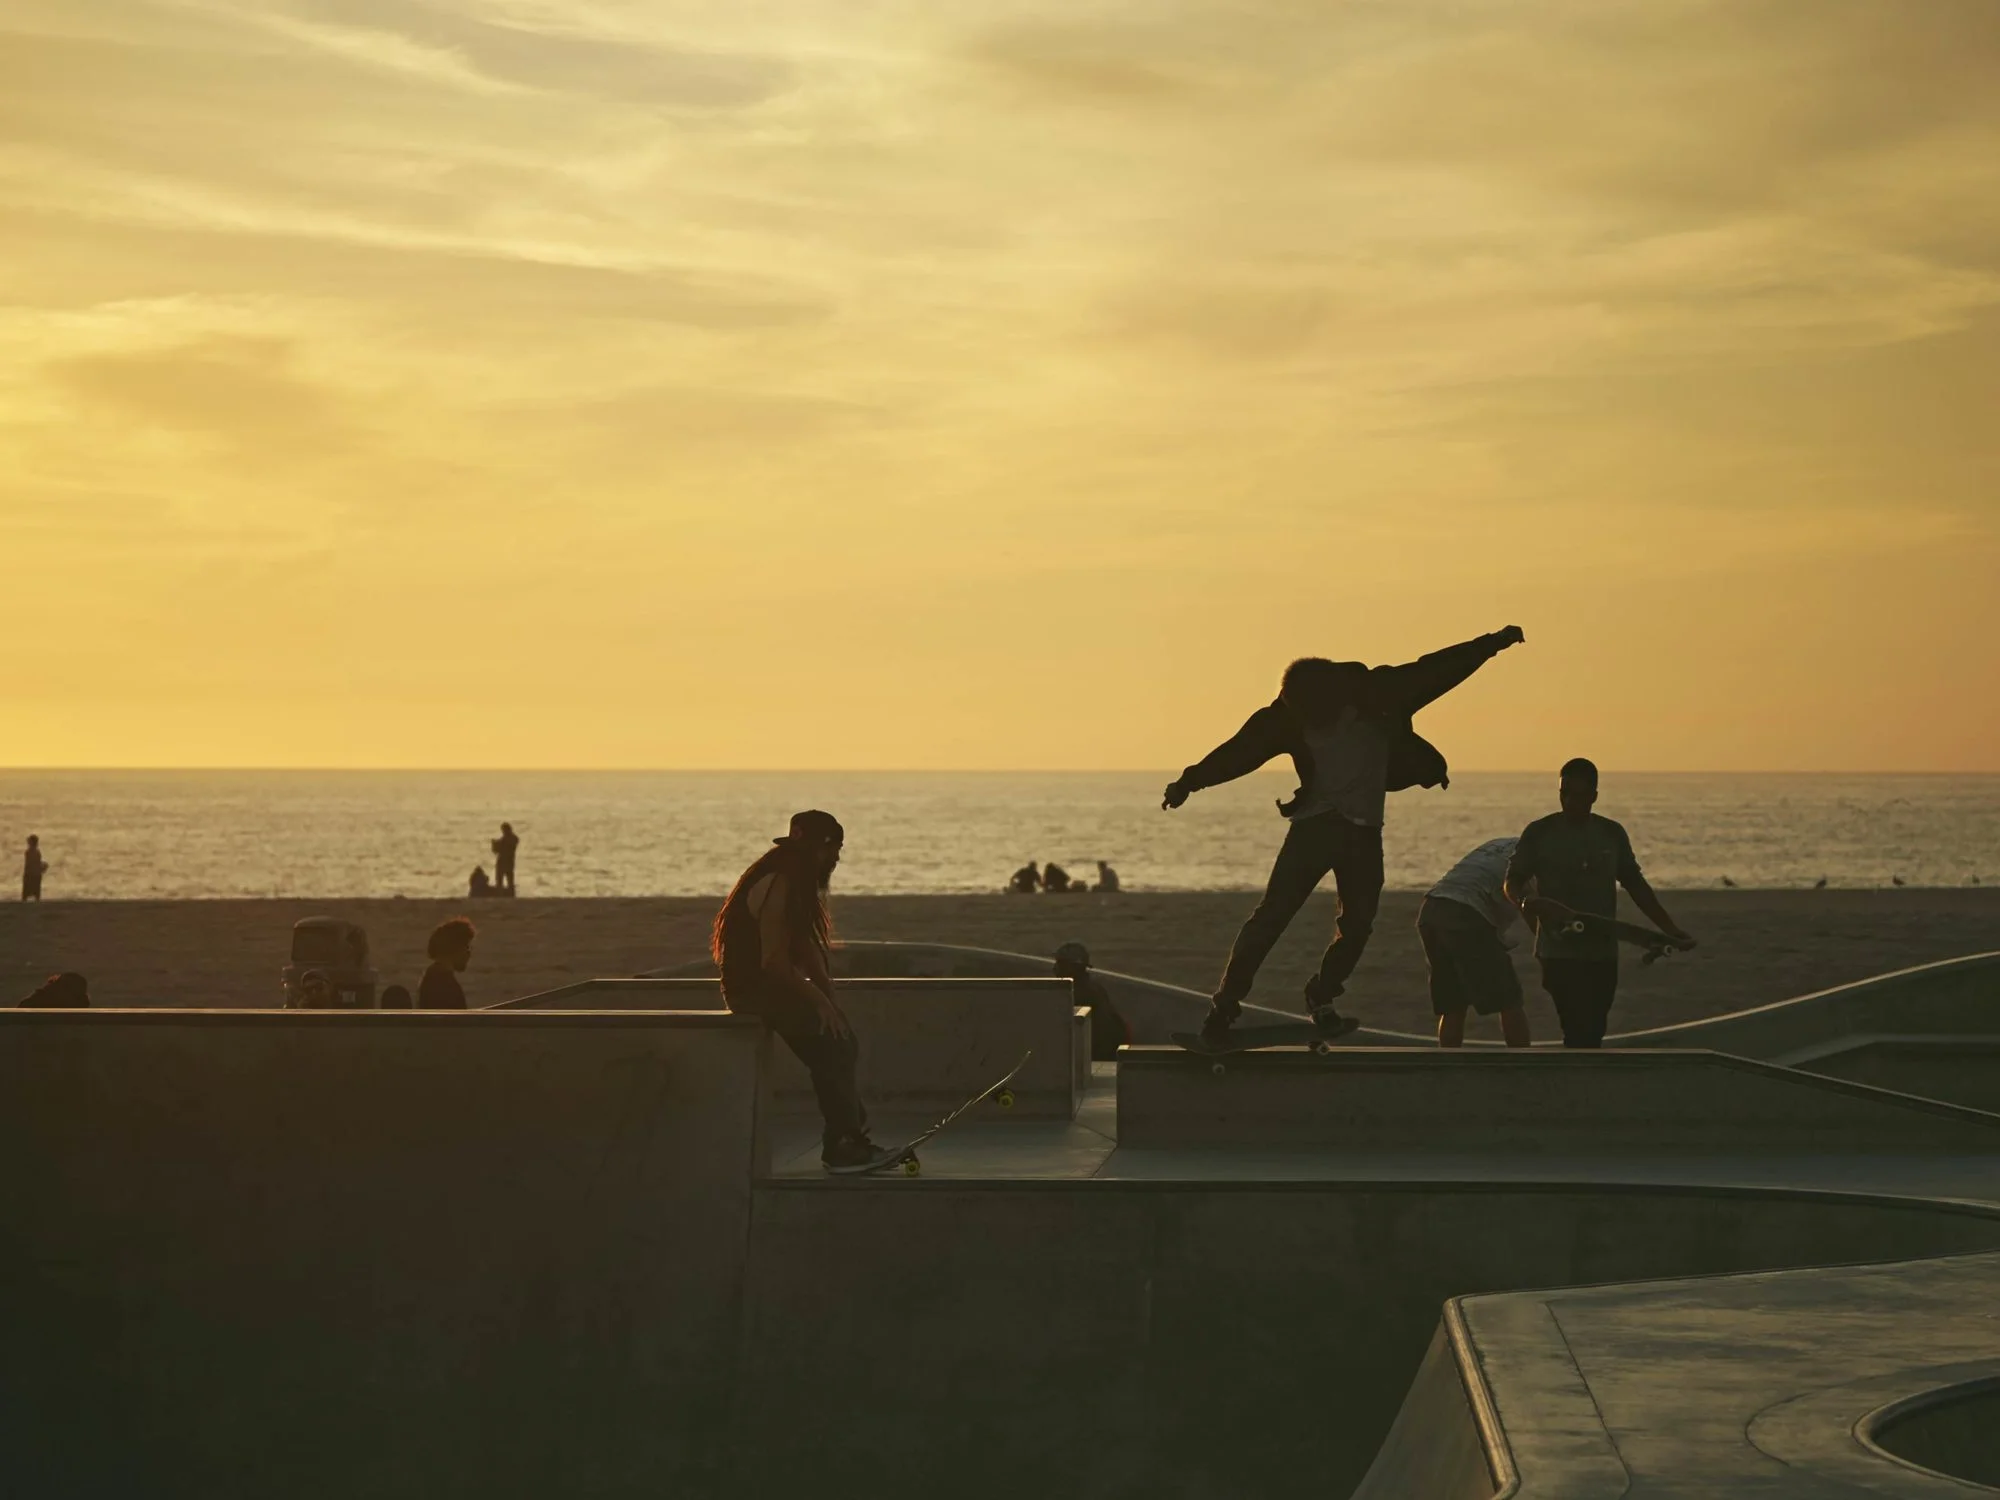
x=921 y=770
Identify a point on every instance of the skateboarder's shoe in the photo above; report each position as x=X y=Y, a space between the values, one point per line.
x=1221 y=1016
x=1326 y=1019
x=849 y=1151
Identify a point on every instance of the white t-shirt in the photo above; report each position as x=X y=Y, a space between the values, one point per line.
x=1478 y=881
x=1350 y=770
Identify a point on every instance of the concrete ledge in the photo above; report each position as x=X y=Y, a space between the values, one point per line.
x=1960 y=1069
x=926 y=1044
x=1530 y=1103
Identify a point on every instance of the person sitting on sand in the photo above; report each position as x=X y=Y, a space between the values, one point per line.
x=1107 y=878
x=772 y=942
x=1025 y=881
x=1568 y=864
x=479 y=885
x=450 y=950
x=1055 y=879
x=60 y=991
x=1108 y=1029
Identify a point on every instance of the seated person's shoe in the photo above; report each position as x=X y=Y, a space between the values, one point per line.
x=849 y=1151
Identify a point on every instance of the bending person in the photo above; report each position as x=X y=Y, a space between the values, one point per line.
x=772 y=942
x=1467 y=925
x=1347 y=729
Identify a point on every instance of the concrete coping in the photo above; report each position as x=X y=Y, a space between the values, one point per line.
x=100 y=1015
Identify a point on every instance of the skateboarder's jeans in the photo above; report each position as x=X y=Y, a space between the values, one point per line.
x=1313 y=847
x=828 y=1058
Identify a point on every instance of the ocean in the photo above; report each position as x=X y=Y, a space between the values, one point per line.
x=319 y=834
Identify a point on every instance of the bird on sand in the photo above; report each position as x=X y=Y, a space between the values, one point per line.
x=1820 y=884
x=1895 y=880
x=1728 y=882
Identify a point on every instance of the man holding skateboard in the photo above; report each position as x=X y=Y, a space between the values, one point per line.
x=772 y=943
x=1564 y=874
x=1347 y=729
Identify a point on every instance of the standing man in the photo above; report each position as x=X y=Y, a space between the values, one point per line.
x=1572 y=862
x=772 y=942
x=1347 y=729
x=1466 y=925
x=503 y=859
x=32 y=869
x=450 y=950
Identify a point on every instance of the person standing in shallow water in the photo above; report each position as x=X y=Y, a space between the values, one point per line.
x=1573 y=861
x=773 y=944
x=450 y=950
x=33 y=867
x=1347 y=729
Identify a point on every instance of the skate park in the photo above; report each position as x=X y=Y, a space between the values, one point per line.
x=579 y=1243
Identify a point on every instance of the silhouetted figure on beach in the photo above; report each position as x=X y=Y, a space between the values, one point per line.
x=479 y=886
x=1347 y=729
x=1107 y=878
x=33 y=867
x=1025 y=881
x=396 y=997
x=1055 y=878
x=450 y=950
x=1466 y=925
x=773 y=944
x=1573 y=861
x=503 y=859
x=60 y=991
x=1108 y=1029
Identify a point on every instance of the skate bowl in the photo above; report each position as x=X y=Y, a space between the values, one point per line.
x=1960 y=1069
x=1544 y=1393
x=1526 y=1102
x=927 y=1045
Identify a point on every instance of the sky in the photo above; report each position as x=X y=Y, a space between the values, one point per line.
x=777 y=383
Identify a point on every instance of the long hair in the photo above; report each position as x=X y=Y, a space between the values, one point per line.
x=810 y=922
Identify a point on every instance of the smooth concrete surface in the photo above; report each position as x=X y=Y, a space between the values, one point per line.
x=1792 y=1384
x=323 y=1253
x=926 y=1044
x=1954 y=1431
x=1185 y=1339
x=1440 y=1446
x=1525 y=1102
x=1959 y=1069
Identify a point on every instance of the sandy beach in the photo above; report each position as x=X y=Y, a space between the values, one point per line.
x=1758 y=946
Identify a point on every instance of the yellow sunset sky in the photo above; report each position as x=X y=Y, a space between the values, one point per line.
x=840 y=384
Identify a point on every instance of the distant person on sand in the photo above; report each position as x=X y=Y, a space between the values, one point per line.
x=1055 y=878
x=1466 y=925
x=773 y=944
x=33 y=867
x=503 y=858
x=1025 y=881
x=1347 y=729
x=450 y=950
x=1573 y=861
x=479 y=885
x=1108 y=1030
x=1107 y=878
x=64 y=991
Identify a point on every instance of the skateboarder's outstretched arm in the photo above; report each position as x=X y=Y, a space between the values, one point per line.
x=1261 y=738
x=1407 y=688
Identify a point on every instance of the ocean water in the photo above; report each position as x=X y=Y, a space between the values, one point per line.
x=135 y=834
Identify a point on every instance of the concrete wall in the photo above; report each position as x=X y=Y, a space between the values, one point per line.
x=369 y=1253
x=927 y=1045
x=1436 y=1448
x=1183 y=1340
x=1955 y=1432
x=1960 y=1069
x=1550 y=1103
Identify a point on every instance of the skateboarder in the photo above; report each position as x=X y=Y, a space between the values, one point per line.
x=1578 y=859
x=1467 y=925
x=772 y=942
x=1347 y=729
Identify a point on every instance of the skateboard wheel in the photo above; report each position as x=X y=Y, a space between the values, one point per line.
x=911 y=1166
x=1218 y=1069
x=1323 y=1048
x=1005 y=1098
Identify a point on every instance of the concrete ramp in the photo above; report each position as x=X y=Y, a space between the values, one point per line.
x=1437 y=1448
x=1524 y=1102
x=927 y=1045
x=1959 y=1069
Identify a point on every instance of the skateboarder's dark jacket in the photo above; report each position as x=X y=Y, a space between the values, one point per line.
x=1391 y=694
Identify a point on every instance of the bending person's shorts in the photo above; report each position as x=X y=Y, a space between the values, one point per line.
x=1469 y=964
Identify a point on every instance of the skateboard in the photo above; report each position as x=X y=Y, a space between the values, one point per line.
x=903 y=1158
x=1656 y=943
x=1254 y=1038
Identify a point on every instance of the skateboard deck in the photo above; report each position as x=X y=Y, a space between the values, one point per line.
x=903 y=1158
x=1278 y=1034
x=1656 y=943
